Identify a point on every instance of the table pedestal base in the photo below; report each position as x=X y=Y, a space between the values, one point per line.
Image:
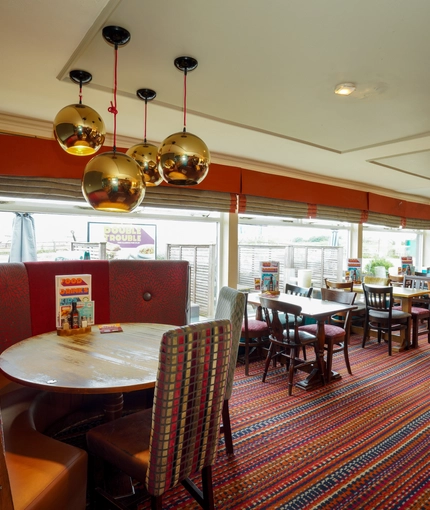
x=113 y=405
x=314 y=379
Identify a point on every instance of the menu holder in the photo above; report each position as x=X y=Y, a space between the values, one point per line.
x=75 y=331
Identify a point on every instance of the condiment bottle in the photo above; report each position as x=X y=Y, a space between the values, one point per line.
x=74 y=316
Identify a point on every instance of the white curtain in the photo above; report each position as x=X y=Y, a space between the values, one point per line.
x=23 y=245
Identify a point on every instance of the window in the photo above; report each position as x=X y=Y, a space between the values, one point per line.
x=390 y=245
x=266 y=238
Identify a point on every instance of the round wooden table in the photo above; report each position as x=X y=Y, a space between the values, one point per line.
x=94 y=362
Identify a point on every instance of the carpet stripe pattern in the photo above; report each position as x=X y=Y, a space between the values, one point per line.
x=359 y=443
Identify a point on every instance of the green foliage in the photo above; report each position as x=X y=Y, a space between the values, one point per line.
x=370 y=267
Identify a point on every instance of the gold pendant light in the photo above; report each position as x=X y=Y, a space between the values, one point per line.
x=184 y=158
x=145 y=153
x=113 y=181
x=79 y=129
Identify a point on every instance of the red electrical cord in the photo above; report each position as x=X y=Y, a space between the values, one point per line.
x=112 y=108
x=185 y=100
x=146 y=109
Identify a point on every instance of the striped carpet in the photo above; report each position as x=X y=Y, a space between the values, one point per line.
x=359 y=443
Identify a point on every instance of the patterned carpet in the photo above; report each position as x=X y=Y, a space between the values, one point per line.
x=359 y=443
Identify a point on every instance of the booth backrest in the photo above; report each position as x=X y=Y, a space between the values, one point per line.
x=15 y=317
x=149 y=292
x=123 y=291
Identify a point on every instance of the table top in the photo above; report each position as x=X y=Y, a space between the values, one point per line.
x=311 y=307
x=91 y=362
x=400 y=292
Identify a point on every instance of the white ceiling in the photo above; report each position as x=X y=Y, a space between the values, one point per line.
x=262 y=96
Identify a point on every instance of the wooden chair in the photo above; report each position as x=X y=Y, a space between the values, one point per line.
x=420 y=307
x=418 y=282
x=357 y=315
x=380 y=314
x=288 y=343
x=163 y=446
x=376 y=280
x=230 y=305
x=254 y=334
x=335 y=335
x=297 y=291
x=347 y=286
x=396 y=280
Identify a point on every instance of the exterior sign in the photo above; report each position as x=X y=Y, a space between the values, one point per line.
x=125 y=241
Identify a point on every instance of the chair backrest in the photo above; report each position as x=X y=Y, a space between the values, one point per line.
x=271 y=309
x=345 y=297
x=6 y=502
x=231 y=305
x=396 y=280
x=416 y=282
x=188 y=400
x=376 y=280
x=298 y=291
x=347 y=286
x=378 y=297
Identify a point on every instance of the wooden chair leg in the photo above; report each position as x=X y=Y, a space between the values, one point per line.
x=204 y=497
x=428 y=330
x=291 y=377
x=226 y=427
x=415 y=326
x=365 y=333
x=346 y=356
x=268 y=360
x=208 y=492
x=246 y=356
x=156 y=502
x=389 y=343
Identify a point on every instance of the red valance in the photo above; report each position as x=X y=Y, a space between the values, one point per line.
x=298 y=190
x=24 y=156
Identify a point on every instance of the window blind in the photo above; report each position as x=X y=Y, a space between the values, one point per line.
x=275 y=207
x=272 y=207
x=158 y=196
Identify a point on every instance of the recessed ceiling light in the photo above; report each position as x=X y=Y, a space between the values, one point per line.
x=345 y=89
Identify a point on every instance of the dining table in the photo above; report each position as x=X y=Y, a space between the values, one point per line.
x=92 y=362
x=406 y=296
x=315 y=309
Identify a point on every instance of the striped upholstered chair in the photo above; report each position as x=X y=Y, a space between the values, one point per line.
x=162 y=447
x=230 y=305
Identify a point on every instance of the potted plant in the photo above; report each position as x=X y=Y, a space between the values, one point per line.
x=377 y=262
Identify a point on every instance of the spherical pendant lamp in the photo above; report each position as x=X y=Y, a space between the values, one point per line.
x=145 y=153
x=113 y=181
x=79 y=129
x=184 y=158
